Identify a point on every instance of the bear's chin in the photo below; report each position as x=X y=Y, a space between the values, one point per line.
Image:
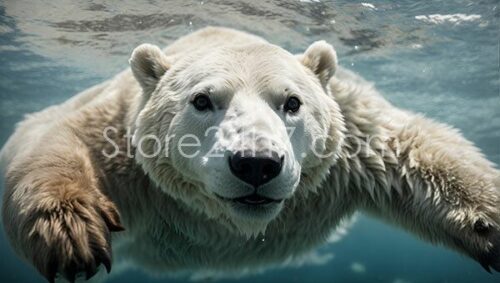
x=251 y=220
x=263 y=212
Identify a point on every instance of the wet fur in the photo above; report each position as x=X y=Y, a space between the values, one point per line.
x=63 y=198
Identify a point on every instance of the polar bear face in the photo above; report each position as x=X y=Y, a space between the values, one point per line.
x=234 y=131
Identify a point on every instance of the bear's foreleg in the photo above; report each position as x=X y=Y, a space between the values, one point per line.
x=443 y=190
x=54 y=213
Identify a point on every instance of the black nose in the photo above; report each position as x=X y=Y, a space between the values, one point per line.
x=255 y=169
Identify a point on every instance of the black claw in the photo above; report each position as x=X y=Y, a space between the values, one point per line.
x=50 y=270
x=116 y=228
x=104 y=256
x=70 y=274
x=51 y=278
x=113 y=222
x=107 y=263
x=91 y=270
x=485 y=266
x=71 y=277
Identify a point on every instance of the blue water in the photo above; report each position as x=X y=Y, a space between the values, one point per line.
x=445 y=66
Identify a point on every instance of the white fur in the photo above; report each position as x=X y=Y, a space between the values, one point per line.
x=416 y=173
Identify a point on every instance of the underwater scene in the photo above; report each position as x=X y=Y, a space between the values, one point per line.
x=438 y=58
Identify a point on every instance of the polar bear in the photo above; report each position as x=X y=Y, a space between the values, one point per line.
x=182 y=161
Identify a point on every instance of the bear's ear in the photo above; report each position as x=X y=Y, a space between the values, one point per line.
x=321 y=58
x=148 y=64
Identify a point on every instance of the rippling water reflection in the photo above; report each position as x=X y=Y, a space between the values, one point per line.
x=438 y=58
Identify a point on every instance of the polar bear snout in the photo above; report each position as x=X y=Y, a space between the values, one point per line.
x=255 y=169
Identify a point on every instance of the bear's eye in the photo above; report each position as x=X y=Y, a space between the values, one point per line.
x=292 y=104
x=201 y=102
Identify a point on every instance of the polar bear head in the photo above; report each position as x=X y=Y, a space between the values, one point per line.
x=236 y=131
